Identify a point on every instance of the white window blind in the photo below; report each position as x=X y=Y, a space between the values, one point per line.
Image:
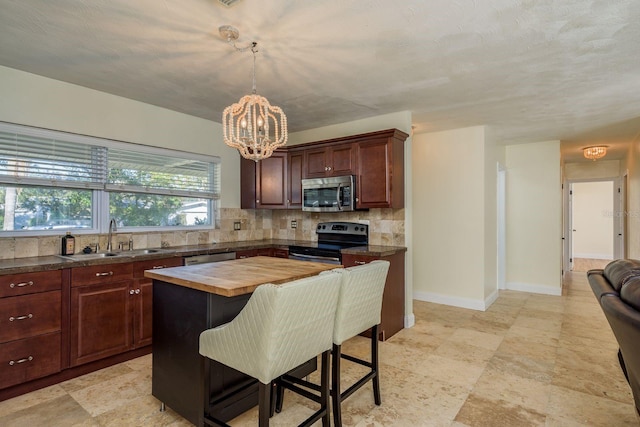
x=29 y=158
x=178 y=174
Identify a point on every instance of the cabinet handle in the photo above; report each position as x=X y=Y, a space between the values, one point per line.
x=21 y=285
x=243 y=256
x=108 y=273
x=325 y=168
x=329 y=168
x=156 y=267
x=16 y=362
x=26 y=316
x=131 y=291
x=137 y=291
x=258 y=201
x=359 y=262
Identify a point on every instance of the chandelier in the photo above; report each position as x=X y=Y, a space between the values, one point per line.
x=595 y=152
x=252 y=125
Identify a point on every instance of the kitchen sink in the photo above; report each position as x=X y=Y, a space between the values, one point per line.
x=123 y=254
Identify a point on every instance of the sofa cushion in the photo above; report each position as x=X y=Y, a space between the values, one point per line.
x=619 y=271
x=630 y=292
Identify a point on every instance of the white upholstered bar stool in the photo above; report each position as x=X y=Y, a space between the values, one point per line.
x=281 y=327
x=359 y=309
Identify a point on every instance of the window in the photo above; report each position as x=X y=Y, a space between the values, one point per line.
x=54 y=180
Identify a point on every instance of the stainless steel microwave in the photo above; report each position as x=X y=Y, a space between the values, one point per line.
x=333 y=194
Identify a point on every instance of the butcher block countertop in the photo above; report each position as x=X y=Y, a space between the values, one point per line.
x=238 y=276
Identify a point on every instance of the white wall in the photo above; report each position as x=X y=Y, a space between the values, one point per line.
x=449 y=227
x=592 y=208
x=37 y=101
x=534 y=217
x=592 y=170
x=633 y=202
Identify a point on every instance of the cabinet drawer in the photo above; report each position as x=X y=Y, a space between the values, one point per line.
x=28 y=359
x=140 y=266
x=105 y=273
x=29 y=283
x=29 y=315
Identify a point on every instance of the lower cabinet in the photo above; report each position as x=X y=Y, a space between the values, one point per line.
x=112 y=308
x=392 y=318
x=101 y=321
x=31 y=310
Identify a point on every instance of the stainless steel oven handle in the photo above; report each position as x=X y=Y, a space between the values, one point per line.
x=338 y=196
x=314 y=257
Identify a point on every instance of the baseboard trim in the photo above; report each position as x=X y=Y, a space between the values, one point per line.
x=593 y=256
x=409 y=320
x=534 y=288
x=449 y=300
x=493 y=296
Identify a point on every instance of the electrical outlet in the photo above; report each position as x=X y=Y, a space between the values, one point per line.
x=294 y=223
x=236 y=225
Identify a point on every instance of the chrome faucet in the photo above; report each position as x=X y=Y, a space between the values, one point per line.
x=112 y=227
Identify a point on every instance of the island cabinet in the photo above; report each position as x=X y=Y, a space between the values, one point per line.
x=392 y=317
x=330 y=160
x=30 y=326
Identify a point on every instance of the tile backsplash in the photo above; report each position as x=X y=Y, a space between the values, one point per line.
x=386 y=227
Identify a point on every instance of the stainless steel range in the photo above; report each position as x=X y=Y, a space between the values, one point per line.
x=332 y=236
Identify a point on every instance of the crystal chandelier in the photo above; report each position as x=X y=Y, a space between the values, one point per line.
x=595 y=152
x=252 y=126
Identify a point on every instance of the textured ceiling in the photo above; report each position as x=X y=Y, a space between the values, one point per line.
x=532 y=69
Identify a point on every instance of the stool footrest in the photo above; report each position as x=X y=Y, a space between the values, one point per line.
x=357 y=360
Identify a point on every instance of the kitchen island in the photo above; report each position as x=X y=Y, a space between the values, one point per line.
x=189 y=300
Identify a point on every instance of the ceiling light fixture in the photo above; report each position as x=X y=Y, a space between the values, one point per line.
x=252 y=126
x=595 y=152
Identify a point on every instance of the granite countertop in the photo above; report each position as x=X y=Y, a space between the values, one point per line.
x=56 y=262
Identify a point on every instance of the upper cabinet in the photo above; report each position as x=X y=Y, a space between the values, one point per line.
x=331 y=160
x=376 y=159
x=264 y=184
x=380 y=171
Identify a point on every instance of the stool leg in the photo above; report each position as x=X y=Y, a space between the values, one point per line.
x=279 y=397
x=324 y=388
x=264 y=404
x=374 y=367
x=335 y=385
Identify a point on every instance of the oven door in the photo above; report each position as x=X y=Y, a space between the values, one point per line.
x=335 y=194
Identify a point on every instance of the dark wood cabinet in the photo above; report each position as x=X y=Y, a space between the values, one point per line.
x=393 y=299
x=246 y=254
x=100 y=321
x=30 y=326
x=112 y=308
x=375 y=158
x=330 y=160
x=142 y=308
x=380 y=171
x=295 y=161
x=264 y=184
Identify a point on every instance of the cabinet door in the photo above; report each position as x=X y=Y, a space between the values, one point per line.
x=142 y=313
x=342 y=160
x=142 y=301
x=373 y=178
x=100 y=321
x=315 y=161
x=271 y=182
x=296 y=165
x=392 y=318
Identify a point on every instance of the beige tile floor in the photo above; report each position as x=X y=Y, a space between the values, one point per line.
x=528 y=360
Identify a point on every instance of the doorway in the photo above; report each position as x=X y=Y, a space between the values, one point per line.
x=593 y=224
